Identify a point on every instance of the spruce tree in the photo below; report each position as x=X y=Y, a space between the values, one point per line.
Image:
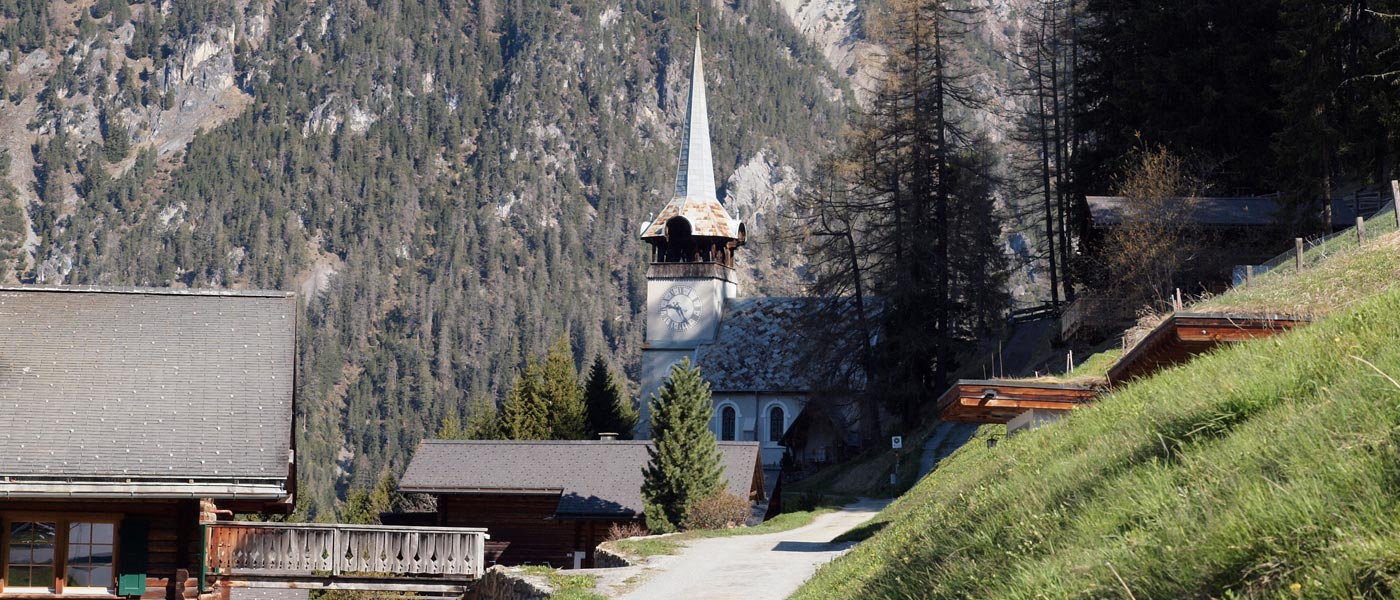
x=684 y=463
x=525 y=413
x=561 y=391
x=608 y=411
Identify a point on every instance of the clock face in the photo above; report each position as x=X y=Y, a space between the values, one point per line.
x=680 y=307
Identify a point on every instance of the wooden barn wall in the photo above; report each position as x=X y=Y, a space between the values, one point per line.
x=522 y=528
x=172 y=545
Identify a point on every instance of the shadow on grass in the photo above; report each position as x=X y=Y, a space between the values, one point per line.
x=861 y=533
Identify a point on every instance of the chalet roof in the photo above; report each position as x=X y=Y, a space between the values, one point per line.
x=758 y=347
x=143 y=391
x=592 y=478
x=1239 y=211
x=1230 y=211
x=695 y=198
x=1182 y=336
x=1001 y=400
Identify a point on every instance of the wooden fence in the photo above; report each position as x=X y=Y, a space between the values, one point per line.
x=334 y=550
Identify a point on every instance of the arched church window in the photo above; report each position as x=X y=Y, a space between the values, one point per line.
x=775 y=423
x=680 y=244
x=726 y=423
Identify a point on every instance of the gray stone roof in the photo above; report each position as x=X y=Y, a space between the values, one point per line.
x=758 y=347
x=141 y=385
x=592 y=478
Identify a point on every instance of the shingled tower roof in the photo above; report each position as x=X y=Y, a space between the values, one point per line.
x=695 y=197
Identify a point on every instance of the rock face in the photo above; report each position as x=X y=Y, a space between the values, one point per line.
x=194 y=90
x=836 y=26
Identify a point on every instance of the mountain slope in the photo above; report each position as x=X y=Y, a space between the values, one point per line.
x=451 y=185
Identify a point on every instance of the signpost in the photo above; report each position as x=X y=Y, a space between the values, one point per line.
x=896 y=442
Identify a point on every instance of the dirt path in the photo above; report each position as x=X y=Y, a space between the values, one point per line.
x=753 y=567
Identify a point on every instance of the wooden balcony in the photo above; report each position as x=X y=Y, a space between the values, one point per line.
x=1000 y=401
x=349 y=557
x=1183 y=336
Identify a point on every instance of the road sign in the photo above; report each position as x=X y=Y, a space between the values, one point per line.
x=897 y=442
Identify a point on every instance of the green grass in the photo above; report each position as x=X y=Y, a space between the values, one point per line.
x=1269 y=469
x=567 y=587
x=672 y=544
x=1335 y=276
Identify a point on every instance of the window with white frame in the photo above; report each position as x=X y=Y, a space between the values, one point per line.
x=776 y=426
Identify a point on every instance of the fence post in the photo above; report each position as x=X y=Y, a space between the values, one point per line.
x=1248 y=276
x=1298 y=254
x=1360 y=231
x=1395 y=195
x=337 y=553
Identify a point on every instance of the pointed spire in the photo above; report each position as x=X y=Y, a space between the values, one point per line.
x=695 y=175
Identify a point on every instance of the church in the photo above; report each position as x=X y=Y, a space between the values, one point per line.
x=745 y=347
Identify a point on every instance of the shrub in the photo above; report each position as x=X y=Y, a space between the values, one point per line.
x=720 y=510
x=619 y=531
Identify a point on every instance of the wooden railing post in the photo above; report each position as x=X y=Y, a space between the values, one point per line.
x=1298 y=254
x=337 y=552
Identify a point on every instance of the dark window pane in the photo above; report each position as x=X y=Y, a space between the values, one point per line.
x=43 y=554
x=102 y=577
x=41 y=577
x=78 y=553
x=100 y=555
x=17 y=576
x=79 y=533
x=19 y=555
x=30 y=532
x=726 y=423
x=775 y=424
x=102 y=533
x=78 y=577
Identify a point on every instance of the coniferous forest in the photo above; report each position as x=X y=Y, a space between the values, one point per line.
x=479 y=203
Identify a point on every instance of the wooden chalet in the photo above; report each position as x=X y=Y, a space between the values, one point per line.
x=129 y=417
x=1016 y=403
x=548 y=502
x=1182 y=336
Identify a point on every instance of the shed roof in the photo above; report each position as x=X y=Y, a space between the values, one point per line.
x=592 y=478
x=1231 y=211
x=758 y=347
x=1238 y=211
x=145 y=391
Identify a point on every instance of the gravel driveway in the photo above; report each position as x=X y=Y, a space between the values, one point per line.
x=753 y=567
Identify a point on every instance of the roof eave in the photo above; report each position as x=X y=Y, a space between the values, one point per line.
x=153 y=490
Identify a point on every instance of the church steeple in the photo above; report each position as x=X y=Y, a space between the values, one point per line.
x=694 y=226
x=695 y=175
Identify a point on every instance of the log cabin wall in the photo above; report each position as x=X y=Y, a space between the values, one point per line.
x=172 y=536
x=523 y=528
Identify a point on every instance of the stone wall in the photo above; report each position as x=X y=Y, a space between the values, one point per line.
x=608 y=558
x=504 y=583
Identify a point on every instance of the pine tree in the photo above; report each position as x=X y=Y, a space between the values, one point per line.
x=608 y=411
x=561 y=391
x=483 y=421
x=684 y=463
x=525 y=413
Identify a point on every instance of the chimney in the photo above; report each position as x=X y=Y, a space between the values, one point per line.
x=607 y=437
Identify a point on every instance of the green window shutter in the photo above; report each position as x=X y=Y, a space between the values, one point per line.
x=131 y=572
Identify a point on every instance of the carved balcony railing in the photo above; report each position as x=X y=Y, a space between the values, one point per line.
x=316 y=550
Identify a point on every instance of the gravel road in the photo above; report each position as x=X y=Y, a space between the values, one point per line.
x=751 y=567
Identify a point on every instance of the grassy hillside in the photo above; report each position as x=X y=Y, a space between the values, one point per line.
x=1266 y=469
